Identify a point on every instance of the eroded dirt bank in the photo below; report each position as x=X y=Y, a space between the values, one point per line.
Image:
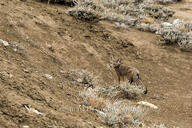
x=44 y=40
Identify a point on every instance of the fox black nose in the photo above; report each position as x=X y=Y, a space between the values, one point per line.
x=145 y=92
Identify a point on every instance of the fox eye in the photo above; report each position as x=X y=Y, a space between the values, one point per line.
x=118 y=60
x=138 y=76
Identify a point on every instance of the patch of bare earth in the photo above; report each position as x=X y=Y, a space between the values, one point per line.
x=44 y=42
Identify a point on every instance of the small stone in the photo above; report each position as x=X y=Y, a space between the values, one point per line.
x=79 y=80
x=26 y=71
x=15 y=50
x=62 y=71
x=25 y=126
x=5 y=43
x=48 y=76
x=10 y=75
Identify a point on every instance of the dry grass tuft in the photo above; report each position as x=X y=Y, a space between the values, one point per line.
x=82 y=77
x=85 y=14
x=64 y=2
x=186 y=42
x=126 y=91
x=123 y=114
x=111 y=113
x=165 y=2
x=91 y=98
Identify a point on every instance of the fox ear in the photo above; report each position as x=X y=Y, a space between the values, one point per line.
x=111 y=57
x=111 y=60
x=118 y=60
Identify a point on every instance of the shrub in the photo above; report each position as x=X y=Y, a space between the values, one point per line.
x=83 y=77
x=186 y=42
x=165 y=2
x=120 y=19
x=188 y=26
x=119 y=11
x=122 y=114
x=91 y=98
x=148 y=27
x=158 y=12
x=132 y=91
x=125 y=91
x=170 y=35
x=65 y=2
x=85 y=14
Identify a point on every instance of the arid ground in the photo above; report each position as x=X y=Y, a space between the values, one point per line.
x=43 y=39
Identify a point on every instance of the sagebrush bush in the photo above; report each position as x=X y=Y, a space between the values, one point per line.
x=170 y=35
x=122 y=114
x=177 y=33
x=92 y=5
x=126 y=91
x=84 y=77
x=148 y=27
x=158 y=12
x=166 y=1
x=90 y=98
x=186 y=42
x=65 y=2
x=117 y=113
x=85 y=14
x=188 y=26
x=121 y=11
x=121 y=19
x=132 y=91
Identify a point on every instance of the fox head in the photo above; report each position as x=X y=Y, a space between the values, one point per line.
x=115 y=63
x=142 y=86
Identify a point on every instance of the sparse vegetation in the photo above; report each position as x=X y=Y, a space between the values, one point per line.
x=40 y=45
x=112 y=113
x=148 y=27
x=186 y=42
x=145 y=15
x=103 y=100
x=65 y=2
x=82 y=76
x=165 y=2
x=85 y=14
x=124 y=11
x=123 y=114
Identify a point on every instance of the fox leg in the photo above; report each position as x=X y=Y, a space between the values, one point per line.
x=123 y=78
x=119 y=79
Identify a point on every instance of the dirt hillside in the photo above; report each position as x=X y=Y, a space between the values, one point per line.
x=44 y=42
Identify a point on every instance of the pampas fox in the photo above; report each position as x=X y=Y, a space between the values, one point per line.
x=125 y=72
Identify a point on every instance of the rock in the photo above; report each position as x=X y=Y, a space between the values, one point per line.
x=48 y=76
x=176 y=21
x=79 y=80
x=167 y=24
x=147 y=104
x=5 y=43
x=25 y=126
x=32 y=110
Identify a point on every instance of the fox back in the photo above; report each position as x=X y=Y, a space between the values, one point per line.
x=127 y=72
